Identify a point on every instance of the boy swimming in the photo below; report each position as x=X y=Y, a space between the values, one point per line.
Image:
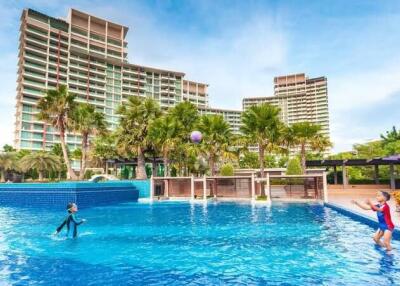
x=382 y=210
x=70 y=221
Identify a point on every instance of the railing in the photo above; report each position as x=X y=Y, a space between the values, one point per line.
x=276 y=187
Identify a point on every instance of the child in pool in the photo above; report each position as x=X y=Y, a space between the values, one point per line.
x=71 y=221
x=382 y=210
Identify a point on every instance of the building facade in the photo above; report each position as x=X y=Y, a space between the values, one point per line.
x=300 y=99
x=89 y=56
x=233 y=117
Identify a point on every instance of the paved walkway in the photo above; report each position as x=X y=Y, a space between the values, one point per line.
x=344 y=197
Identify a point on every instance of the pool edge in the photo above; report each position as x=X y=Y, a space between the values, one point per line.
x=360 y=218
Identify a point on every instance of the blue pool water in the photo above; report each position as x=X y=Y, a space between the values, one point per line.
x=178 y=243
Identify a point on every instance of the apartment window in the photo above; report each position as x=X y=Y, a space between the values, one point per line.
x=38 y=136
x=49 y=137
x=26 y=144
x=26 y=117
x=37 y=126
x=114 y=42
x=78 y=31
x=25 y=135
x=26 y=126
x=97 y=37
x=37 y=145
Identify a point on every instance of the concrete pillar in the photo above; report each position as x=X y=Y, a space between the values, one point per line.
x=269 y=200
x=335 y=180
x=344 y=172
x=253 y=187
x=166 y=188
x=376 y=174
x=204 y=188
x=192 y=187
x=151 y=188
x=392 y=181
x=325 y=187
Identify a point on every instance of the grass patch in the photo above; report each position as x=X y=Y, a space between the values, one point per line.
x=261 y=198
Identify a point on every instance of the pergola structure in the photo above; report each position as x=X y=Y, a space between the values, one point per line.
x=390 y=161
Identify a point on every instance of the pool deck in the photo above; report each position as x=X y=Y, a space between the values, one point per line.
x=342 y=198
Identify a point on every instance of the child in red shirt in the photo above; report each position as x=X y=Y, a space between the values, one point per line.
x=382 y=210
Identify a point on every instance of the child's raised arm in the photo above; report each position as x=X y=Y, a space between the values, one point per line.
x=374 y=207
x=360 y=205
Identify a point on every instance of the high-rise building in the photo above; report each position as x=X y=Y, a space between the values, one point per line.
x=233 y=117
x=300 y=99
x=89 y=56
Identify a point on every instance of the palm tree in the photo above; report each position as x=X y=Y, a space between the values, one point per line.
x=308 y=135
x=103 y=149
x=187 y=115
x=40 y=161
x=261 y=125
x=136 y=116
x=55 y=109
x=216 y=137
x=164 y=133
x=7 y=162
x=87 y=121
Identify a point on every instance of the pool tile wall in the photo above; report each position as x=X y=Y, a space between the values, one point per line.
x=56 y=195
x=143 y=186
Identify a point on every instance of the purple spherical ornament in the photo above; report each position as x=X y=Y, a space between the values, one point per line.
x=196 y=136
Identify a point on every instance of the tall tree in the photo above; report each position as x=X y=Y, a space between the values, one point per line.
x=8 y=148
x=7 y=162
x=136 y=116
x=55 y=108
x=307 y=135
x=261 y=125
x=164 y=134
x=88 y=122
x=41 y=162
x=391 y=141
x=104 y=148
x=216 y=137
x=187 y=115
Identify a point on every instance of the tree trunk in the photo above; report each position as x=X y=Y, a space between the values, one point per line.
x=166 y=165
x=141 y=166
x=40 y=175
x=212 y=165
x=303 y=158
x=261 y=159
x=70 y=173
x=84 y=155
x=3 y=176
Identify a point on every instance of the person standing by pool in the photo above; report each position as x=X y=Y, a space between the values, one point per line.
x=70 y=221
x=382 y=210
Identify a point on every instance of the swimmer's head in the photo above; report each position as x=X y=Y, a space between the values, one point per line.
x=72 y=208
x=382 y=196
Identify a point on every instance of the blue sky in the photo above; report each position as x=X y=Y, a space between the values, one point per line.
x=239 y=46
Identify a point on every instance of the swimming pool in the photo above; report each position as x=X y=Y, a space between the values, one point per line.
x=179 y=243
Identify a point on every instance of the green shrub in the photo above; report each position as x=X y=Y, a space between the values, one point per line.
x=227 y=170
x=294 y=167
x=262 y=198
